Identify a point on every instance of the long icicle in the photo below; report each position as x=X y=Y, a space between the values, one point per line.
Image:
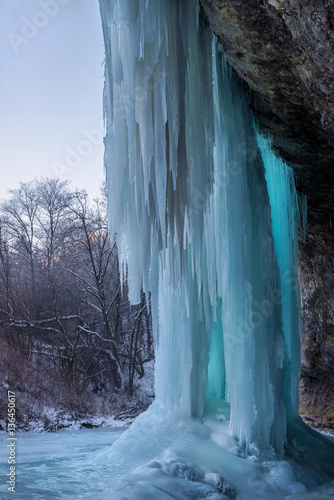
x=189 y=202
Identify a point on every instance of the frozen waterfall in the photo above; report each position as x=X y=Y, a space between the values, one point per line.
x=188 y=180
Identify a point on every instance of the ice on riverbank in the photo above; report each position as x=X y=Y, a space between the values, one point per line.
x=170 y=456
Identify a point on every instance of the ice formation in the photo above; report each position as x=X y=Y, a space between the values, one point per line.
x=189 y=203
x=285 y=221
x=188 y=188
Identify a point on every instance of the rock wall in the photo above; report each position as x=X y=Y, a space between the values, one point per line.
x=316 y=257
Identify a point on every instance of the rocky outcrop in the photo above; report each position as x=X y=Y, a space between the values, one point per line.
x=283 y=50
x=316 y=257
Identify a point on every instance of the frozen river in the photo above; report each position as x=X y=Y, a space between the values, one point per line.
x=86 y=464
x=59 y=465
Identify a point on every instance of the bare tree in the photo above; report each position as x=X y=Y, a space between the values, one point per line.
x=60 y=290
x=52 y=214
x=19 y=216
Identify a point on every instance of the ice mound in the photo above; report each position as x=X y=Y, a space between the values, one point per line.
x=171 y=475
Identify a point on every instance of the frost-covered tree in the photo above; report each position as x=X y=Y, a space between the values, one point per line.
x=61 y=298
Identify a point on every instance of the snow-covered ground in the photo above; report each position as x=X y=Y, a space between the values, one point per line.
x=65 y=420
x=54 y=420
x=59 y=465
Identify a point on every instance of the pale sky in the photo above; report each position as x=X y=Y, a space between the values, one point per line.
x=51 y=85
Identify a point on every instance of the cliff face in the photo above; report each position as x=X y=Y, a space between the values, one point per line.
x=284 y=52
x=316 y=258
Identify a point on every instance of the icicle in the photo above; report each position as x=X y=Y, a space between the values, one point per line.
x=188 y=198
x=303 y=211
x=285 y=221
